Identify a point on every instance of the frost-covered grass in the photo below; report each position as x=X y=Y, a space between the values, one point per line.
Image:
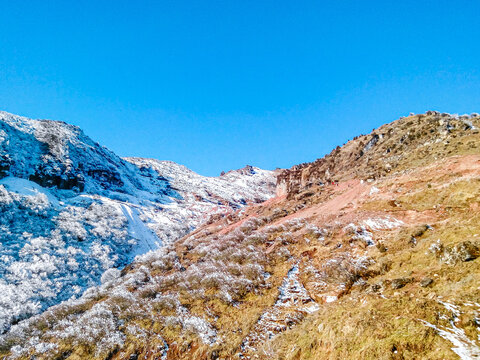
x=70 y=209
x=50 y=254
x=201 y=296
x=159 y=290
x=191 y=290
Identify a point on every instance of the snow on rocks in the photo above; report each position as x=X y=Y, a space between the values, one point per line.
x=291 y=306
x=331 y=298
x=386 y=223
x=293 y=293
x=364 y=231
x=361 y=233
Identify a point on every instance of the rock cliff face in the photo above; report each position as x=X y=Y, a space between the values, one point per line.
x=369 y=253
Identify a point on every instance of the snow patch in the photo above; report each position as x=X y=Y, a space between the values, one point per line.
x=146 y=239
x=28 y=188
x=464 y=347
x=386 y=223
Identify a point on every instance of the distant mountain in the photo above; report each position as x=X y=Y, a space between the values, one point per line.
x=71 y=209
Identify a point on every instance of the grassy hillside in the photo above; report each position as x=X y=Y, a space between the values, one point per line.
x=381 y=264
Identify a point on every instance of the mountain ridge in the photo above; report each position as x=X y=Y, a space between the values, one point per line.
x=368 y=253
x=72 y=209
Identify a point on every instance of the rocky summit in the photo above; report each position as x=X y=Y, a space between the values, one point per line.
x=371 y=252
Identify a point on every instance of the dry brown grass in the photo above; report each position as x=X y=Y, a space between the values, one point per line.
x=428 y=184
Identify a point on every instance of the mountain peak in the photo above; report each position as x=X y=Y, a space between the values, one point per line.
x=246 y=170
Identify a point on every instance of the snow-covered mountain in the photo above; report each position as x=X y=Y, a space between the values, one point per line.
x=200 y=196
x=71 y=209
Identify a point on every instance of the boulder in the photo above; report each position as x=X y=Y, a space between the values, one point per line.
x=466 y=251
x=426 y=282
x=461 y=252
x=400 y=282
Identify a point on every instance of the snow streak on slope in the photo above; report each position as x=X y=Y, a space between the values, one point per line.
x=71 y=209
x=464 y=347
x=147 y=240
x=292 y=304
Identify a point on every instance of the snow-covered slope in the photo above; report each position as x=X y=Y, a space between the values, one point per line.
x=71 y=209
x=56 y=154
x=200 y=196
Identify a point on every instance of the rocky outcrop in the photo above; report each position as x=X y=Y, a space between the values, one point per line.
x=461 y=252
x=57 y=155
x=246 y=170
x=106 y=177
x=386 y=149
x=59 y=181
x=400 y=282
x=5 y=164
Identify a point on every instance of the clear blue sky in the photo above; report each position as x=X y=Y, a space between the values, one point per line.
x=216 y=85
